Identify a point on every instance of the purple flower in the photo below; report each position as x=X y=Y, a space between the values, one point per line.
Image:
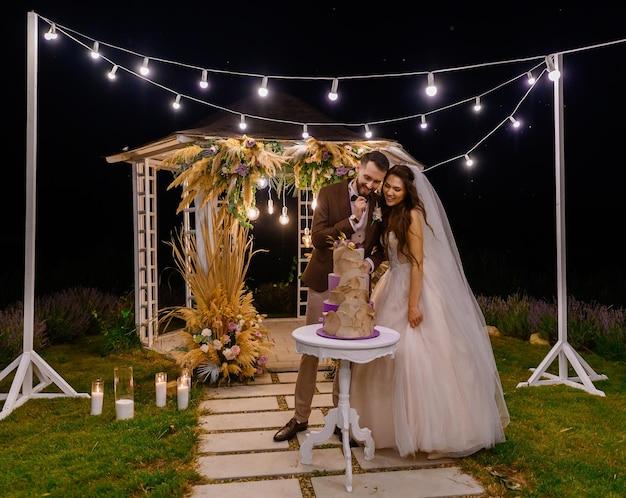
x=341 y=170
x=242 y=169
x=325 y=155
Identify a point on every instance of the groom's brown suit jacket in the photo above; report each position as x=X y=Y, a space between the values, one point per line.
x=330 y=219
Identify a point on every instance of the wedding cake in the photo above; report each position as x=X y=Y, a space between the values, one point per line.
x=348 y=312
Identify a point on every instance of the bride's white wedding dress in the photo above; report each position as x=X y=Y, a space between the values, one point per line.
x=441 y=394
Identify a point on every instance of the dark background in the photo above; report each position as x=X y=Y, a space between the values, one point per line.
x=501 y=211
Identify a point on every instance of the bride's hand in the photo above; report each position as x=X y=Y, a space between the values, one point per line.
x=415 y=316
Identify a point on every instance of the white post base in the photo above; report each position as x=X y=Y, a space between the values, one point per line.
x=21 y=388
x=347 y=420
x=565 y=352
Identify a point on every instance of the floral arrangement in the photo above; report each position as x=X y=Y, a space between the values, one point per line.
x=316 y=164
x=230 y=167
x=230 y=340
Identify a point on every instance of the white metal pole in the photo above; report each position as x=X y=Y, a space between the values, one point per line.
x=31 y=194
x=559 y=165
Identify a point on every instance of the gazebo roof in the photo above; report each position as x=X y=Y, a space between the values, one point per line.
x=225 y=125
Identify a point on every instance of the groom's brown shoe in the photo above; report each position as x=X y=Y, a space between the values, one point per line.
x=290 y=430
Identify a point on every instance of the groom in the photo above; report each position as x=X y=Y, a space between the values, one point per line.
x=345 y=207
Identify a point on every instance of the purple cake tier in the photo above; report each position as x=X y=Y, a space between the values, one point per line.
x=333 y=280
x=327 y=306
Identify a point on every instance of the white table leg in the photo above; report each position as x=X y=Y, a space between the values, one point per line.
x=306 y=448
x=344 y=418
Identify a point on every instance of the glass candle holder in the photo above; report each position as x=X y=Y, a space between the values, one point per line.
x=186 y=372
x=124 y=393
x=183 y=385
x=160 y=385
x=97 y=396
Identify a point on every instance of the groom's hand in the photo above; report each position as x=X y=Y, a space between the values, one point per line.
x=359 y=206
x=415 y=316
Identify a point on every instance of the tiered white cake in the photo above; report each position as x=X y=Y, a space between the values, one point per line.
x=348 y=312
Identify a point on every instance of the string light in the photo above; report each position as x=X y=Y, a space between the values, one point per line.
x=284 y=217
x=553 y=73
x=333 y=95
x=469 y=162
x=531 y=79
x=368 y=132
x=314 y=203
x=111 y=74
x=176 y=103
x=477 y=105
x=423 y=123
x=242 y=123
x=262 y=182
x=263 y=91
x=95 y=51
x=204 y=82
x=144 y=69
x=270 y=205
x=51 y=34
x=306 y=238
x=253 y=213
x=305 y=131
x=515 y=123
x=431 y=89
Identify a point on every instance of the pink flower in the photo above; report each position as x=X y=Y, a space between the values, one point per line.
x=228 y=354
x=236 y=350
x=262 y=360
x=232 y=326
x=217 y=344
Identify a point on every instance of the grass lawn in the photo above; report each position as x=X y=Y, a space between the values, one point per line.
x=55 y=448
x=561 y=442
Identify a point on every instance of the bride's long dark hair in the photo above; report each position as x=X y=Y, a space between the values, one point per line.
x=397 y=219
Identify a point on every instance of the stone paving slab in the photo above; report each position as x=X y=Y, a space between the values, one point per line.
x=278 y=488
x=420 y=483
x=325 y=387
x=389 y=458
x=293 y=376
x=319 y=401
x=268 y=464
x=250 y=391
x=226 y=442
x=240 y=404
x=259 y=420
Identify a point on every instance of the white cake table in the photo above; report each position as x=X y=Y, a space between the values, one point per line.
x=344 y=417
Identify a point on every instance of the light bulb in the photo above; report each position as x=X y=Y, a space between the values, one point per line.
x=270 y=206
x=431 y=89
x=531 y=79
x=176 y=103
x=333 y=95
x=95 y=51
x=284 y=218
x=553 y=73
x=262 y=182
x=305 y=132
x=51 y=34
x=242 y=123
x=253 y=213
x=477 y=105
x=515 y=122
x=423 y=124
x=306 y=238
x=368 y=132
x=111 y=74
x=314 y=203
x=468 y=160
x=263 y=91
x=144 y=69
x=204 y=83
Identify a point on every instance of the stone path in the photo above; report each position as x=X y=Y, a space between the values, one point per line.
x=239 y=459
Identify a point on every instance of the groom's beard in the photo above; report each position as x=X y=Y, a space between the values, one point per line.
x=362 y=189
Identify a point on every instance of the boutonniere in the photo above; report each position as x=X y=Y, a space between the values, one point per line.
x=377 y=214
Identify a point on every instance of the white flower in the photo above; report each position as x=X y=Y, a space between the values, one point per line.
x=228 y=354
x=204 y=348
x=206 y=332
x=377 y=214
x=217 y=344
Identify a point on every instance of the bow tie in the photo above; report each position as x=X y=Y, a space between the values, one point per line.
x=354 y=197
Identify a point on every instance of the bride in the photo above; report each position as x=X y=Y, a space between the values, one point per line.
x=441 y=394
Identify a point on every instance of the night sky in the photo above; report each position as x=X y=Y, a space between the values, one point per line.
x=501 y=211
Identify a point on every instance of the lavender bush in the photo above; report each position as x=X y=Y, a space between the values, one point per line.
x=11 y=330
